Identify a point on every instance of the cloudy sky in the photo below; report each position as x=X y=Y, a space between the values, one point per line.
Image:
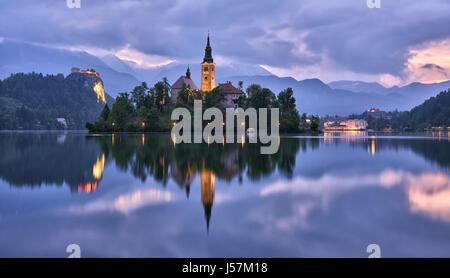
x=400 y=42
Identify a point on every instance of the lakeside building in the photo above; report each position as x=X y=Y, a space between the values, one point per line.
x=231 y=95
x=357 y=124
x=184 y=81
x=62 y=121
x=378 y=114
x=91 y=71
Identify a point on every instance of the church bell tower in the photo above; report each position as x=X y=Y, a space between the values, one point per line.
x=208 y=70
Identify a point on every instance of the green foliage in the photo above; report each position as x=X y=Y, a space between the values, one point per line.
x=122 y=111
x=160 y=93
x=213 y=98
x=286 y=100
x=259 y=97
x=139 y=94
x=186 y=97
x=104 y=115
x=289 y=116
x=149 y=109
x=315 y=122
x=434 y=112
x=34 y=101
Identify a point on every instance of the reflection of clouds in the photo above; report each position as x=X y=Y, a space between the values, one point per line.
x=224 y=197
x=126 y=203
x=428 y=193
x=298 y=217
x=331 y=183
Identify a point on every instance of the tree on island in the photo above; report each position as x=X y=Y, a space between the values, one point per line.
x=149 y=109
x=122 y=111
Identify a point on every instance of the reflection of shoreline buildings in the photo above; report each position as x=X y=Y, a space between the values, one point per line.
x=343 y=136
x=97 y=173
x=357 y=124
x=349 y=136
x=371 y=146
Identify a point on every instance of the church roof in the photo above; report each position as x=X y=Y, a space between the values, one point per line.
x=186 y=81
x=228 y=88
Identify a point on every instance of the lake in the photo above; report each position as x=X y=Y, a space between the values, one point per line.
x=140 y=195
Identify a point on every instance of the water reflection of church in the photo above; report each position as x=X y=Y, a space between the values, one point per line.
x=207 y=180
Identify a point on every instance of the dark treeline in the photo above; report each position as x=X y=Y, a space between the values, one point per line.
x=35 y=101
x=433 y=113
x=149 y=109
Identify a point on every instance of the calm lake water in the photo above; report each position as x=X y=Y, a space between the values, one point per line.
x=140 y=195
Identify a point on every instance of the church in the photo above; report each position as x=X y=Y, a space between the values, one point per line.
x=208 y=81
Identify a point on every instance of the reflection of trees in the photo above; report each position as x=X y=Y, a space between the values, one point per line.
x=437 y=151
x=33 y=159
x=155 y=155
x=434 y=150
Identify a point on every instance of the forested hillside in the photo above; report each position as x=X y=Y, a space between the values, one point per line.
x=35 y=101
x=433 y=113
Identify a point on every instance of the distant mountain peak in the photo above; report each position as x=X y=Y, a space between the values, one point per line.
x=25 y=57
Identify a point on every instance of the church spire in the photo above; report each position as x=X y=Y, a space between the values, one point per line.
x=188 y=73
x=208 y=53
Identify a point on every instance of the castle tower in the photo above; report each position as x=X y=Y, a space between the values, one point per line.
x=208 y=70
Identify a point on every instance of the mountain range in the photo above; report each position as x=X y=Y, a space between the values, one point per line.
x=312 y=95
x=19 y=57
